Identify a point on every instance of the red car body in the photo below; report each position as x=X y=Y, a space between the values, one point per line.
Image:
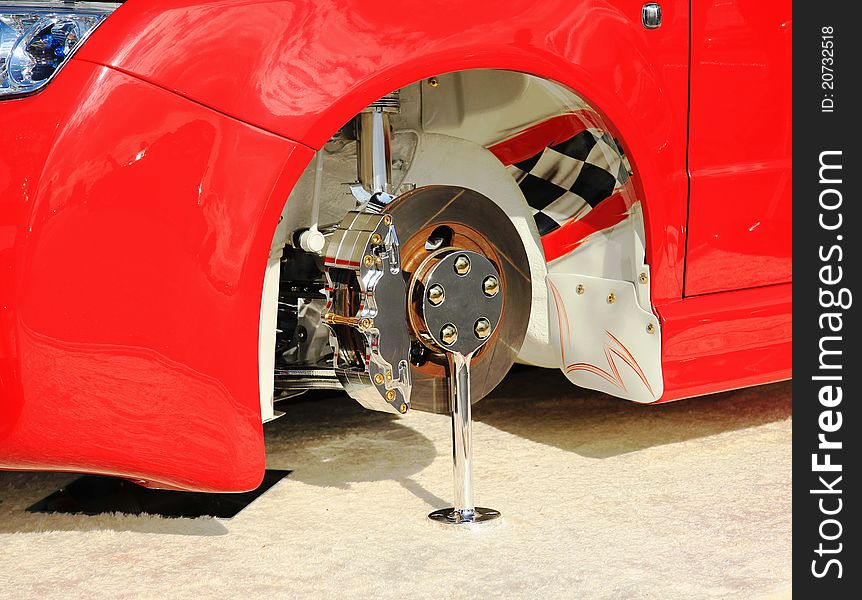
x=177 y=130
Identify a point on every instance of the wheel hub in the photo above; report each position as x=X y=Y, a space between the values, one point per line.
x=473 y=309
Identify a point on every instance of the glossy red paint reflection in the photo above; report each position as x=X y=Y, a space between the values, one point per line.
x=738 y=338
x=132 y=231
x=740 y=146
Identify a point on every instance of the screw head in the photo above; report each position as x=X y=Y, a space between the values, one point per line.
x=449 y=334
x=580 y=289
x=378 y=379
x=436 y=294
x=368 y=260
x=387 y=220
x=390 y=395
x=612 y=298
x=650 y=328
x=482 y=328
x=462 y=265
x=491 y=286
x=366 y=323
x=388 y=375
x=643 y=278
x=433 y=82
x=376 y=239
x=403 y=408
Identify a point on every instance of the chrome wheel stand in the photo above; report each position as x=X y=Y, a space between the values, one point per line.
x=464 y=510
x=461 y=329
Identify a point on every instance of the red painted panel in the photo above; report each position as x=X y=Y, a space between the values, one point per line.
x=740 y=145
x=725 y=341
x=285 y=67
x=133 y=237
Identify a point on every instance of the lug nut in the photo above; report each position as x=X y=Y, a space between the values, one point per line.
x=436 y=294
x=449 y=334
x=482 y=328
x=462 y=265
x=491 y=286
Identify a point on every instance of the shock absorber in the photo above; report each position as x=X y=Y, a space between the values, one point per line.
x=374 y=152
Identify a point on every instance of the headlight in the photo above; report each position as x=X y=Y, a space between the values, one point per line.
x=36 y=40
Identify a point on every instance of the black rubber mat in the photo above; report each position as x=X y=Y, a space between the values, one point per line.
x=95 y=495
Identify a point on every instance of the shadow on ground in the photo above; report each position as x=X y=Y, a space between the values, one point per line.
x=542 y=406
x=328 y=440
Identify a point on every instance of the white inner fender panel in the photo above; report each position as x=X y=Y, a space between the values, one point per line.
x=604 y=340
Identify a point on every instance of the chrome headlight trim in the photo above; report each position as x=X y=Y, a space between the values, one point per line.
x=38 y=39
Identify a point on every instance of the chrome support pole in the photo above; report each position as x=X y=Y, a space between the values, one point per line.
x=464 y=511
x=462 y=434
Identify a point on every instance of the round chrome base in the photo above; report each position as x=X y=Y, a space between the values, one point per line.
x=450 y=516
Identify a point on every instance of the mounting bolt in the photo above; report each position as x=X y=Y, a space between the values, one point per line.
x=403 y=408
x=462 y=265
x=612 y=298
x=378 y=379
x=368 y=260
x=580 y=289
x=376 y=239
x=650 y=328
x=482 y=328
x=390 y=395
x=491 y=286
x=644 y=278
x=449 y=334
x=436 y=294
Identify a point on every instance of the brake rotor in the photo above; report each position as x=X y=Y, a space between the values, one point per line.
x=432 y=218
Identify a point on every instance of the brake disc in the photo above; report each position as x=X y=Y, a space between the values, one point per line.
x=432 y=218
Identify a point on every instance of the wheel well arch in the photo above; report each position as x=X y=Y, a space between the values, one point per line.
x=293 y=80
x=663 y=221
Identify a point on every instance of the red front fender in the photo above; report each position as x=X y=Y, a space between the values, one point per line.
x=132 y=250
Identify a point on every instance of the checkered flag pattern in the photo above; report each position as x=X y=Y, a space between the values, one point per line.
x=567 y=180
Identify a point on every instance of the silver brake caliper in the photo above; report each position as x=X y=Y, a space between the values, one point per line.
x=366 y=312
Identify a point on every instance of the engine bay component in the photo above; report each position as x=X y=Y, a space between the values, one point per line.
x=365 y=311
